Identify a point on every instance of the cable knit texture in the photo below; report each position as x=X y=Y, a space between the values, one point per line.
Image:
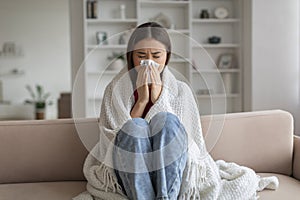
x=203 y=178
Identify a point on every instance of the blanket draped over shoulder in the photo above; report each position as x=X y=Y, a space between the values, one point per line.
x=203 y=178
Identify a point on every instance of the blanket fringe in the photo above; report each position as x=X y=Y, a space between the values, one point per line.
x=190 y=194
x=196 y=173
x=110 y=184
x=196 y=176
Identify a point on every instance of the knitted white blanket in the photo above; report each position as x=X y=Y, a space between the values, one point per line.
x=203 y=178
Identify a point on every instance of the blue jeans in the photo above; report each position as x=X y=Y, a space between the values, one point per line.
x=149 y=158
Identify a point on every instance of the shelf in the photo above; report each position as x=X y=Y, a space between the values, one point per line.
x=116 y=21
x=214 y=0
x=222 y=45
x=179 y=60
x=233 y=95
x=11 y=57
x=165 y=3
x=12 y=74
x=213 y=20
x=217 y=71
x=116 y=46
x=107 y=72
x=178 y=31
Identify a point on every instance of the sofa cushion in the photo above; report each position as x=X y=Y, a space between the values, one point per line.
x=42 y=190
x=288 y=188
x=260 y=140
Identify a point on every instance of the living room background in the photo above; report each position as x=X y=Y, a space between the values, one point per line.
x=50 y=34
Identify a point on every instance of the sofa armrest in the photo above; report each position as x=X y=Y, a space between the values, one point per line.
x=296 y=159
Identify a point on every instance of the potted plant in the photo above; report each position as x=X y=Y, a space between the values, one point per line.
x=39 y=100
x=117 y=61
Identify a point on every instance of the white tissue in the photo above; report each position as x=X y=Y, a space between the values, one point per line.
x=146 y=63
x=149 y=62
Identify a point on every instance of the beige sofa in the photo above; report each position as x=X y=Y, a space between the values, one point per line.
x=43 y=160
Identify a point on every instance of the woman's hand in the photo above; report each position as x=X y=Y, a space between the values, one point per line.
x=142 y=85
x=156 y=84
x=143 y=93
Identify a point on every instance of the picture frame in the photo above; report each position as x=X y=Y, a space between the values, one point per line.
x=225 y=61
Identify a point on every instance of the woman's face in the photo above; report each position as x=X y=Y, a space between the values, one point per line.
x=152 y=49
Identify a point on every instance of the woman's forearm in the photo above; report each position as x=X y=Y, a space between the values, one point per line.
x=138 y=109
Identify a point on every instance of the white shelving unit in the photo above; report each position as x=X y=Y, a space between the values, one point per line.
x=189 y=35
x=229 y=29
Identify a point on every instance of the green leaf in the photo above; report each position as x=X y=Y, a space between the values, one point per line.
x=39 y=90
x=46 y=96
x=117 y=55
x=38 y=95
x=28 y=87
x=40 y=105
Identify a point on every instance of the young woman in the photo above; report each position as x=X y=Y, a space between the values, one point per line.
x=150 y=142
x=161 y=142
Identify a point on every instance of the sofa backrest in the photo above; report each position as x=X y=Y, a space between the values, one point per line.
x=45 y=150
x=261 y=140
x=51 y=150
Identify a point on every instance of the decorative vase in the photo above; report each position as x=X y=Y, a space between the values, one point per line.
x=214 y=40
x=204 y=14
x=227 y=80
x=122 y=11
x=40 y=114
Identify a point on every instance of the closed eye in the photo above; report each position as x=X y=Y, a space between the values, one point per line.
x=141 y=54
x=156 y=54
x=156 y=57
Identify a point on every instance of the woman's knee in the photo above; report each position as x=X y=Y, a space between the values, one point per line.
x=167 y=121
x=133 y=136
x=167 y=130
x=135 y=123
x=136 y=127
x=164 y=115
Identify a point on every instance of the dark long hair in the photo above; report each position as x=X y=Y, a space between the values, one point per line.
x=148 y=30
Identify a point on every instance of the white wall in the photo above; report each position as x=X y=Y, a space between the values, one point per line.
x=77 y=57
x=275 y=56
x=41 y=28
